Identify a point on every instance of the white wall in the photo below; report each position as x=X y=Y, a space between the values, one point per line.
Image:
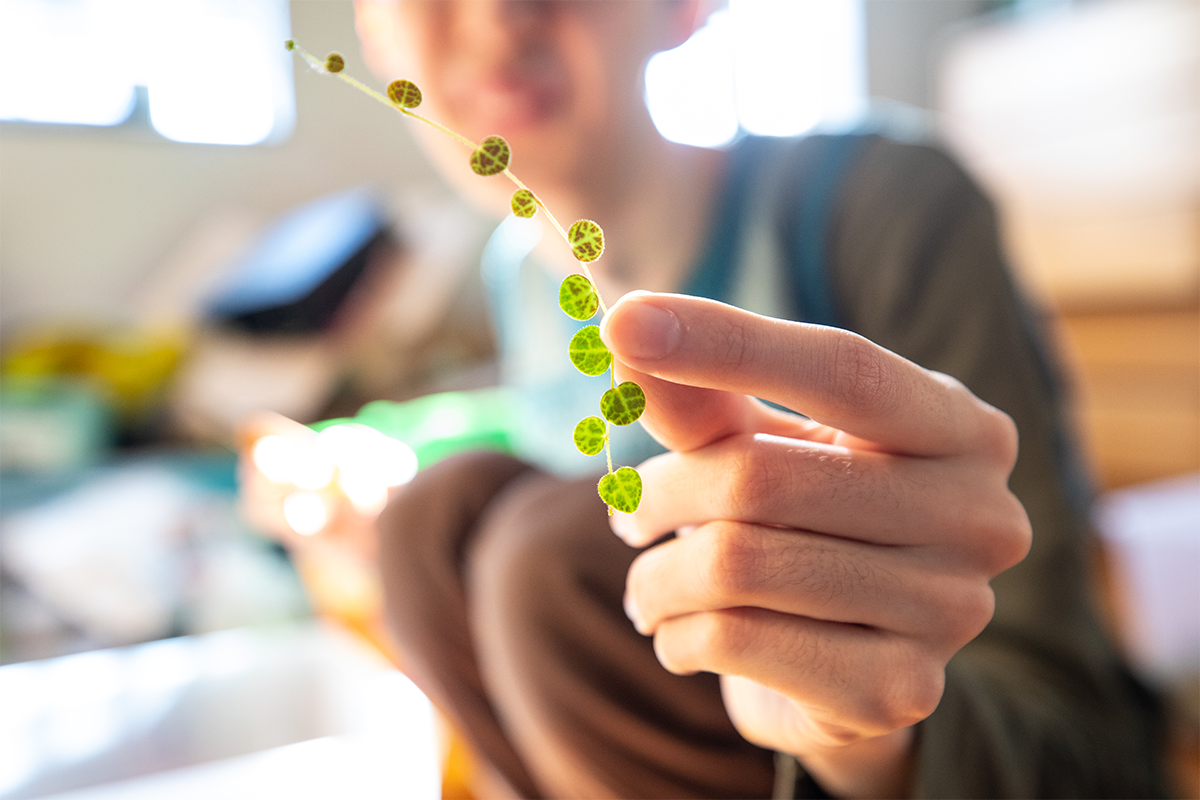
x=905 y=40
x=87 y=216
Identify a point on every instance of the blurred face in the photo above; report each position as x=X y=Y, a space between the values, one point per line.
x=559 y=79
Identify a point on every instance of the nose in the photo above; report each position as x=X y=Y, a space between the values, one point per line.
x=505 y=31
x=510 y=17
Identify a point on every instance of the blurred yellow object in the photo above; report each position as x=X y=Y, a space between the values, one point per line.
x=130 y=368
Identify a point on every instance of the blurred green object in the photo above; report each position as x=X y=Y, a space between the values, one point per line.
x=439 y=425
x=52 y=424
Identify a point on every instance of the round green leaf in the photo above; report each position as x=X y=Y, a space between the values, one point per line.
x=577 y=297
x=622 y=489
x=523 y=203
x=334 y=62
x=404 y=93
x=590 y=434
x=587 y=240
x=623 y=404
x=588 y=353
x=491 y=157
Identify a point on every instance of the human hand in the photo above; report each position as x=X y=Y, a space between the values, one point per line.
x=827 y=568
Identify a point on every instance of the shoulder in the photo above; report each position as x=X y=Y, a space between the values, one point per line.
x=905 y=177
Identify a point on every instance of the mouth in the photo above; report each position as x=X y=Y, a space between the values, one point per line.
x=506 y=106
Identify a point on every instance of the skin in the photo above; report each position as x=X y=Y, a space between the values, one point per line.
x=843 y=559
x=562 y=82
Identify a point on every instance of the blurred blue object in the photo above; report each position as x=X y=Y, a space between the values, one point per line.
x=299 y=273
x=136 y=549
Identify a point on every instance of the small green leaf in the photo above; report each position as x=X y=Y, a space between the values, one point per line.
x=523 y=203
x=588 y=353
x=590 y=434
x=587 y=240
x=577 y=297
x=623 y=404
x=404 y=93
x=491 y=157
x=334 y=62
x=622 y=489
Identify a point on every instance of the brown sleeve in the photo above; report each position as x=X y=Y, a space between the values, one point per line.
x=1040 y=703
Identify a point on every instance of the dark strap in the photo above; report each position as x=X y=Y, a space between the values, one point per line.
x=829 y=158
x=807 y=208
x=712 y=276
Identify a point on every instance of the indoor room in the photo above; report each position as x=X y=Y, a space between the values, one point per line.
x=251 y=294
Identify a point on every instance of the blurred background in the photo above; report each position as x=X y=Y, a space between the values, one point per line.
x=203 y=243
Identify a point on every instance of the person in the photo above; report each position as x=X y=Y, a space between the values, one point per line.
x=845 y=577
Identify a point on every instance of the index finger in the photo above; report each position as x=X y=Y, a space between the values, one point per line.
x=833 y=376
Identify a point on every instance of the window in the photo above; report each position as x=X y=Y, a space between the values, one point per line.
x=771 y=67
x=207 y=71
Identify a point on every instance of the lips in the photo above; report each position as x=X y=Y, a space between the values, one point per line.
x=505 y=106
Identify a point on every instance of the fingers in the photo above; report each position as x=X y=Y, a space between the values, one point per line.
x=733 y=564
x=871 y=497
x=869 y=682
x=729 y=565
x=835 y=377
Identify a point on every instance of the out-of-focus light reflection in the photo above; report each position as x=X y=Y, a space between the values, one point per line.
x=358 y=460
x=358 y=449
x=689 y=90
x=312 y=470
x=274 y=456
x=214 y=70
x=305 y=512
x=769 y=67
x=366 y=493
x=223 y=95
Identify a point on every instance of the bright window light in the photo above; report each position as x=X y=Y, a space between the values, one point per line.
x=689 y=90
x=770 y=67
x=215 y=71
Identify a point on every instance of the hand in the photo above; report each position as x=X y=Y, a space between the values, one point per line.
x=827 y=568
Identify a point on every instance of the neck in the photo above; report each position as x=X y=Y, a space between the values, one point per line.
x=654 y=200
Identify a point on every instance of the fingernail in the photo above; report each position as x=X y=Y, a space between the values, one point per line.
x=642 y=330
x=632 y=613
x=620 y=526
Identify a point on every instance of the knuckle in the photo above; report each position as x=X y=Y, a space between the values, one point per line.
x=752 y=479
x=922 y=695
x=666 y=651
x=1001 y=436
x=904 y=697
x=734 y=561
x=973 y=610
x=721 y=635
x=1007 y=534
x=995 y=530
x=858 y=375
x=733 y=350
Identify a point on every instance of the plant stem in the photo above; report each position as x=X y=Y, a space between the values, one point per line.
x=317 y=63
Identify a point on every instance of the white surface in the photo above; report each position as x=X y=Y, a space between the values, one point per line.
x=363 y=768
x=300 y=711
x=1153 y=531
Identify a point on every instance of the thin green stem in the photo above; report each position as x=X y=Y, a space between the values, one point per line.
x=317 y=63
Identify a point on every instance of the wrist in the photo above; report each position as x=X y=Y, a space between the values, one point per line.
x=877 y=767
